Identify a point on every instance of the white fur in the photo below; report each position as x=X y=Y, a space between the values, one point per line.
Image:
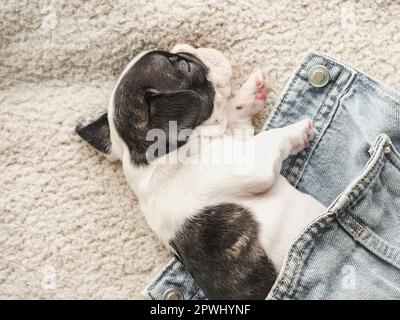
x=170 y=194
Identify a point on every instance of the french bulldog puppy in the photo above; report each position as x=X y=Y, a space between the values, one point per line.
x=230 y=222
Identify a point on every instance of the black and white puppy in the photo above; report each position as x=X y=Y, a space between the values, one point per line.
x=230 y=223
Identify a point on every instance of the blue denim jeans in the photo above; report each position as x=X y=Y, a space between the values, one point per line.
x=352 y=166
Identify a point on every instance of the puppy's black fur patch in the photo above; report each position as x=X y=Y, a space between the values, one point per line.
x=161 y=87
x=97 y=133
x=220 y=248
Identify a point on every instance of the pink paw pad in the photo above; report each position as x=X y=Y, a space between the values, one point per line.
x=261 y=95
x=309 y=131
x=260 y=79
x=310 y=125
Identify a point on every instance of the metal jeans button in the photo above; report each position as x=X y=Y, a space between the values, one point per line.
x=173 y=294
x=318 y=76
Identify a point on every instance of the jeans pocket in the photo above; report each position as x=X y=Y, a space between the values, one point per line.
x=373 y=218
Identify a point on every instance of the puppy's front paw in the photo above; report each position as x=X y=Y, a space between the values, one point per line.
x=300 y=133
x=252 y=95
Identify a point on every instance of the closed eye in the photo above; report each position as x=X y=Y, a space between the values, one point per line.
x=173 y=59
x=179 y=62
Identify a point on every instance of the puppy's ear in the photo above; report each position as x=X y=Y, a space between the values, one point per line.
x=174 y=112
x=185 y=107
x=96 y=133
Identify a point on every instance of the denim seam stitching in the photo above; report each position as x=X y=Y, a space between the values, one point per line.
x=276 y=111
x=370 y=175
x=381 y=93
x=394 y=157
x=297 y=273
x=313 y=231
x=159 y=277
x=287 y=278
x=299 y=266
x=332 y=110
x=195 y=295
x=363 y=185
x=367 y=232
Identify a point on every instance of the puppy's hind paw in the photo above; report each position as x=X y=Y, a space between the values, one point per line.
x=300 y=134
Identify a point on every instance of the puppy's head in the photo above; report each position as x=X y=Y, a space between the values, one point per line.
x=186 y=87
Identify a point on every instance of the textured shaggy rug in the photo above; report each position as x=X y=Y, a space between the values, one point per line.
x=69 y=225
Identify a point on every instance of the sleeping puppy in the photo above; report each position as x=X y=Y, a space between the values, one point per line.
x=230 y=222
